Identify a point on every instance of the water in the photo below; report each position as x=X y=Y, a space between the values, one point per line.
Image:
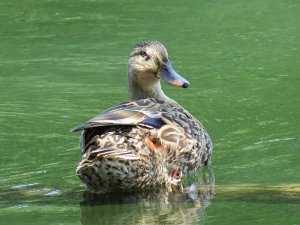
x=62 y=62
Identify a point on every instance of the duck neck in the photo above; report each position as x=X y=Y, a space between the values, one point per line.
x=143 y=88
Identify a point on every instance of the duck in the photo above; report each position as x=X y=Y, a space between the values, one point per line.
x=149 y=142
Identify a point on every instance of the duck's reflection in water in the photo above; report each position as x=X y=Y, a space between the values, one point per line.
x=185 y=205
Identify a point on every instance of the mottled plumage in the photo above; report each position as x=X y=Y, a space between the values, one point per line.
x=147 y=143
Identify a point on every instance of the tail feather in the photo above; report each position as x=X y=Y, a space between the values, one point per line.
x=112 y=153
x=108 y=168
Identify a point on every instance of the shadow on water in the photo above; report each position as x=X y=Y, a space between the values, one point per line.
x=185 y=205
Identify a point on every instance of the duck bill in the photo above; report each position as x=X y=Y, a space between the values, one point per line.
x=168 y=74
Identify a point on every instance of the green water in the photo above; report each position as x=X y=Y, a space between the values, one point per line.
x=64 y=61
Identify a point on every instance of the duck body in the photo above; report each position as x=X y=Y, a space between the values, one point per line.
x=146 y=143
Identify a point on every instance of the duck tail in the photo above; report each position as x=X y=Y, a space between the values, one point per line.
x=104 y=168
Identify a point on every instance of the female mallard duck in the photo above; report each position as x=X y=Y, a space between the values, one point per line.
x=149 y=142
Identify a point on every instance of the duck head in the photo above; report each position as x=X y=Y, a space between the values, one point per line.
x=148 y=64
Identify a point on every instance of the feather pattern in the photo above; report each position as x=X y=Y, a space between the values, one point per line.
x=139 y=145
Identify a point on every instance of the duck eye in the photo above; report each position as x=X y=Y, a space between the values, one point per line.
x=144 y=54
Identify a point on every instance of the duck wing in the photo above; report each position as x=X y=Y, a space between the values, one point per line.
x=143 y=112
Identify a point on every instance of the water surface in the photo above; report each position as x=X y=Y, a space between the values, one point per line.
x=62 y=62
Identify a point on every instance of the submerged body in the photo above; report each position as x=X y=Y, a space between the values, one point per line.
x=149 y=142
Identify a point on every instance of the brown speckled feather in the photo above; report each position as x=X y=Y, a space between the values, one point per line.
x=139 y=145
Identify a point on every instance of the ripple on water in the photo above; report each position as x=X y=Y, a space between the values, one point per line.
x=31 y=189
x=24 y=185
x=274 y=140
